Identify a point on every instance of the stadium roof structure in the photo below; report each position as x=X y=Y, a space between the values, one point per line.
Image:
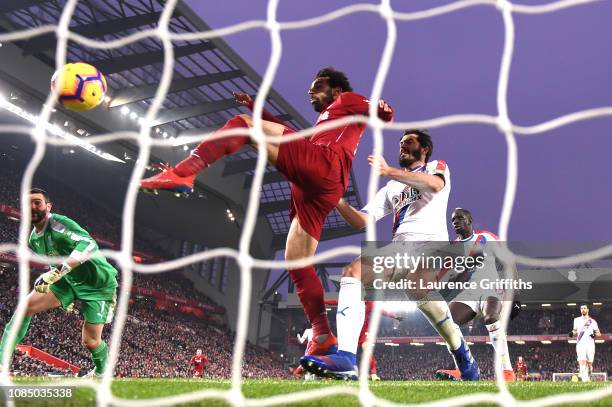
x=200 y=99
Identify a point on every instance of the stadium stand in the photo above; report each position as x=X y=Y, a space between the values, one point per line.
x=420 y=363
x=155 y=343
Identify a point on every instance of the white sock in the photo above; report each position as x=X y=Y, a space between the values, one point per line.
x=437 y=312
x=350 y=314
x=584 y=373
x=500 y=343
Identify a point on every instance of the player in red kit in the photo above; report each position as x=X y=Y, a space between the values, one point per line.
x=363 y=335
x=199 y=362
x=521 y=369
x=318 y=168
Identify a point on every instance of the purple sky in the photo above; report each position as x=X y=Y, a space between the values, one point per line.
x=449 y=65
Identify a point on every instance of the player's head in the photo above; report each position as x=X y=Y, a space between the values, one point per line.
x=199 y=352
x=328 y=84
x=462 y=222
x=40 y=204
x=415 y=145
x=584 y=310
x=520 y=358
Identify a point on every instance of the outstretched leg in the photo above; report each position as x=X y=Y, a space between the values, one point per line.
x=37 y=302
x=182 y=176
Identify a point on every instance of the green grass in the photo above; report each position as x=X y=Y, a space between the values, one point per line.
x=396 y=391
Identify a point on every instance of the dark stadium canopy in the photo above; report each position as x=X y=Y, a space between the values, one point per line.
x=206 y=73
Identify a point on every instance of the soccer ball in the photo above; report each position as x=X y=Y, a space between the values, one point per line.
x=80 y=86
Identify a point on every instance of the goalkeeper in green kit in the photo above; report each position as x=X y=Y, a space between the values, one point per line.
x=93 y=281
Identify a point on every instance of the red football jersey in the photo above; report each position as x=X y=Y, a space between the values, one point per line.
x=345 y=139
x=199 y=361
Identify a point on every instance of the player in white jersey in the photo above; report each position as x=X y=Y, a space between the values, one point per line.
x=418 y=215
x=417 y=194
x=487 y=304
x=585 y=331
x=305 y=338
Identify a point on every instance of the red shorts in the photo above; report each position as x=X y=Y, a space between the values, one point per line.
x=315 y=173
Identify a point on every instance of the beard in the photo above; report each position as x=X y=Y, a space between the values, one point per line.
x=38 y=216
x=406 y=160
x=319 y=104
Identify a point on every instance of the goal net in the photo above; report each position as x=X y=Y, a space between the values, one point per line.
x=234 y=395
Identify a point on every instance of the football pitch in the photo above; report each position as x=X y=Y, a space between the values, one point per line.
x=394 y=391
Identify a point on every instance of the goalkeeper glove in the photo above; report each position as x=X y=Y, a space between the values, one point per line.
x=44 y=281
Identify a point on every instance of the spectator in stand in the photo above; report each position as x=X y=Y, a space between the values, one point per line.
x=155 y=343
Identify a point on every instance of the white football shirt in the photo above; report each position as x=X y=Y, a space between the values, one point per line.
x=418 y=216
x=585 y=328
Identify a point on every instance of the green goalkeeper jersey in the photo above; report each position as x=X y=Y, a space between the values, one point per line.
x=64 y=237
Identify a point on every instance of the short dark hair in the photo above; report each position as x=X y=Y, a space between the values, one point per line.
x=336 y=78
x=424 y=140
x=465 y=211
x=42 y=192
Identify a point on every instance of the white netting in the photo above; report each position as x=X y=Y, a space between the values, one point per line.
x=123 y=257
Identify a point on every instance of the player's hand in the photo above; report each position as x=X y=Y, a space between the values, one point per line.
x=44 y=281
x=593 y=335
x=571 y=334
x=382 y=168
x=243 y=99
x=385 y=112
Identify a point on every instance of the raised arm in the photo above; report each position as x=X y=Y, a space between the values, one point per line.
x=385 y=111
x=246 y=100
x=422 y=182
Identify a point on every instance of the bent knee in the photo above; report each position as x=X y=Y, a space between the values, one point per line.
x=91 y=343
x=491 y=319
x=245 y=118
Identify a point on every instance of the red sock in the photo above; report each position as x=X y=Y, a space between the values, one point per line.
x=310 y=291
x=372 y=365
x=207 y=152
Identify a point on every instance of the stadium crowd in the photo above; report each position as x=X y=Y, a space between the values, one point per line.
x=530 y=321
x=420 y=362
x=92 y=217
x=23 y=365
x=155 y=343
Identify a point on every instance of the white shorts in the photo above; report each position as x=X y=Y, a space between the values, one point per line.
x=586 y=351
